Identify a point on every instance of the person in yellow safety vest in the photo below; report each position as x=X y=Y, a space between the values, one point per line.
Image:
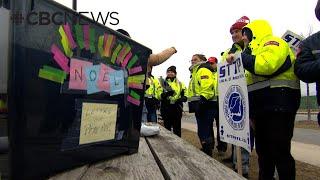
x=274 y=97
x=237 y=47
x=201 y=97
x=152 y=97
x=172 y=99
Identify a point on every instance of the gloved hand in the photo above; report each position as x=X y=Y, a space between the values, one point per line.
x=165 y=95
x=233 y=49
x=182 y=99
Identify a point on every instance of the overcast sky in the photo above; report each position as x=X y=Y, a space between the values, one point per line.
x=200 y=26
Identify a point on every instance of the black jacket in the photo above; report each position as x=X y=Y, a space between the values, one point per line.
x=307 y=66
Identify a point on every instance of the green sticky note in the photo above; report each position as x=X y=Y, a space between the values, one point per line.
x=134 y=95
x=132 y=61
x=65 y=42
x=79 y=35
x=136 y=79
x=100 y=46
x=115 y=53
x=92 y=40
x=51 y=76
x=66 y=47
x=55 y=71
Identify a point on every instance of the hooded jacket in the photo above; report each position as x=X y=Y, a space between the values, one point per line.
x=270 y=63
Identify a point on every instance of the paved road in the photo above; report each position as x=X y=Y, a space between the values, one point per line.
x=307 y=136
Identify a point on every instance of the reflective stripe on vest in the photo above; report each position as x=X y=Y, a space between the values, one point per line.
x=294 y=84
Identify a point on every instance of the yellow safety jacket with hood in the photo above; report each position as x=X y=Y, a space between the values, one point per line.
x=270 y=60
x=201 y=83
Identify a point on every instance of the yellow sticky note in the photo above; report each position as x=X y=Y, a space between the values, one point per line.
x=98 y=122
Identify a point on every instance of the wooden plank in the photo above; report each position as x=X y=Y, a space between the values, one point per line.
x=72 y=174
x=181 y=160
x=136 y=166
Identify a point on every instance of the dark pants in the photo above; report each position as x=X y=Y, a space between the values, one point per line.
x=273 y=135
x=204 y=116
x=221 y=146
x=151 y=105
x=172 y=115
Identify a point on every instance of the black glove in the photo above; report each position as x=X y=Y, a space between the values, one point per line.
x=233 y=49
x=182 y=99
x=165 y=95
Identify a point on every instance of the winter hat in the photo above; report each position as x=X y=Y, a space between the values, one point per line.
x=317 y=10
x=172 y=68
x=124 y=32
x=240 y=23
x=212 y=60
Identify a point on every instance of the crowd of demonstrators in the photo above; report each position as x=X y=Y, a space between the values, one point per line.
x=172 y=98
x=271 y=70
x=307 y=66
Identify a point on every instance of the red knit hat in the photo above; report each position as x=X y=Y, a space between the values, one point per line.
x=212 y=60
x=240 y=23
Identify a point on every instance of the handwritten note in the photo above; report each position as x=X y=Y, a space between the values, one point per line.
x=98 y=122
x=78 y=78
x=116 y=82
x=103 y=79
x=92 y=73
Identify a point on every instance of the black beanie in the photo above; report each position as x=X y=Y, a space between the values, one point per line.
x=172 y=68
x=124 y=32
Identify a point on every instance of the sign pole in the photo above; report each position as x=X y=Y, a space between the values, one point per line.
x=239 y=160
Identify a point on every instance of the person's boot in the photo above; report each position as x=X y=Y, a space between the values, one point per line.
x=207 y=148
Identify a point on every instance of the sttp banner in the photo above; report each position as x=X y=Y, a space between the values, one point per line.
x=234 y=104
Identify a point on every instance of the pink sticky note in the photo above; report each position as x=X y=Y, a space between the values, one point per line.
x=135 y=86
x=86 y=36
x=60 y=58
x=126 y=59
x=103 y=82
x=67 y=30
x=133 y=101
x=78 y=78
x=135 y=70
x=61 y=63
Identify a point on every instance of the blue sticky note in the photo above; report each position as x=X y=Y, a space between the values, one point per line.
x=92 y=76
x=116 y=82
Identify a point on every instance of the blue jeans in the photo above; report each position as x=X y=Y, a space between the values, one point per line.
x=245 y=157
x=204 y=116
x=152 y=114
